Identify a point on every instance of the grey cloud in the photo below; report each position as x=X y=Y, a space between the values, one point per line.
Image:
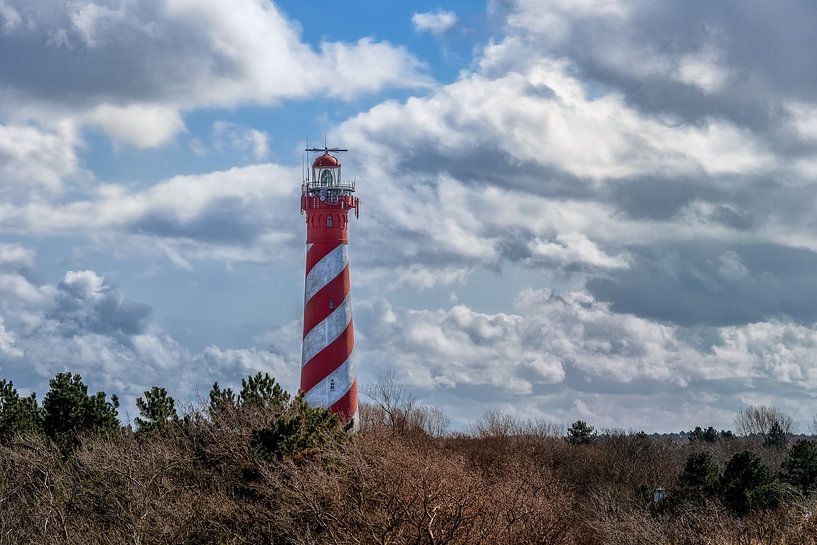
x=131 y=68
x=714 y=285
x=568 y=356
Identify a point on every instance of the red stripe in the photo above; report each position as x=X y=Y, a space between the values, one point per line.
x=346 y=406
x=317 y=252
x=328 y=359
x=317 y=309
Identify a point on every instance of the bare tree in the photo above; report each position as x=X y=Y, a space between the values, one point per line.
x=398 y=409
x=759 y=419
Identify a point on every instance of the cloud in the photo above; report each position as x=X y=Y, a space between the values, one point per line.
x=85 y=324
x=241 y=214
x=133 y=68
x=245 y=140
x=569 y=355
x=436 y=22
x=34 y=161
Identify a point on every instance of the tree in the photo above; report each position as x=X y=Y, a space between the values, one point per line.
x=261 y=390
x=776 y=437
x=800 y=467
x=17 y=414
x=298 y=429
x=758 y=420
x=69 y=411
x=220 y=399
x=580 y=433
x=157 y=410
x=700 y=477
x=748 y=484
x=700 y=435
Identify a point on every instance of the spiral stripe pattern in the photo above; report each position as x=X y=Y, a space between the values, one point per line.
x=328 y=371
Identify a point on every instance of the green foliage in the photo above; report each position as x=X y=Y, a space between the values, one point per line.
x=68 y=411
x=800 y=468
x=17 y=414
x=700 y=477
x=776 y=437
x=157 y=410
x=300 y=428
x=700 y=435
x=261 y=390
x=748 y=484
x=580 y=433
x=708 y=435
x=220 y=399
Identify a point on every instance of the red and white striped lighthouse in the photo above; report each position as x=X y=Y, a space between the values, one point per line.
x=328 y=371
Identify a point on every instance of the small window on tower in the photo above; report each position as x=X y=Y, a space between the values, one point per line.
x=332 y=385
x=329 y=221
x=331 y=304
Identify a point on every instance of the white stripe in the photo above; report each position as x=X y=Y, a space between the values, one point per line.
x=327 y=331
x=325 y=270
x=323 y=395
x=309 y=246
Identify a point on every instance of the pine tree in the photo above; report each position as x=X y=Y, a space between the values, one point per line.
x=776 y=437
x=68 y=411
x=700 y=477
x=18 y=414
x=157 y=410
x=580 y=433
x=800 y=467
x=748 y=484
x=220 y=399
x=300 y=428
x=262 y=391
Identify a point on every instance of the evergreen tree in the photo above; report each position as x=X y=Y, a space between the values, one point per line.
x=700 y=435
x=580 y=433
x=68 y=411
x=261 y=390
x=18 y=414
x=157 y=410
x=220 y=399
x=748 y=484
x=700 y=477
x=800 y=468
x=300 y=428
x=776 y=437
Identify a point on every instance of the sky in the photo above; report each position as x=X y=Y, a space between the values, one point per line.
x=571 y=209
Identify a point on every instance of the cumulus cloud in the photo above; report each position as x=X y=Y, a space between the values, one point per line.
x=87 y=325
x=567 y=355
x=34 y=161
x=436 y=22
x=132 y=68
x=242 y=214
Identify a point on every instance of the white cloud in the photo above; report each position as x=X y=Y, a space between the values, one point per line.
x=242 y=214
x=559 y=349
x=437 y=22
x=36 y=161
x=86 y=325
x=133 y=70
x=140 y=125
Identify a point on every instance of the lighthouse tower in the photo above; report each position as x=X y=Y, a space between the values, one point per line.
x=328 y=372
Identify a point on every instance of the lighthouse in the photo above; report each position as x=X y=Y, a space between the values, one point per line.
x=328 y=371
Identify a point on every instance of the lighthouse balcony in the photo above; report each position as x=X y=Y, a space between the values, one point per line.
x=314 y=188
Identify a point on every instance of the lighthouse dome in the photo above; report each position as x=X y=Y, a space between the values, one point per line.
x=326 y=161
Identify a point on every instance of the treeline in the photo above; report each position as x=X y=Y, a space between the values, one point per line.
x=257 y=465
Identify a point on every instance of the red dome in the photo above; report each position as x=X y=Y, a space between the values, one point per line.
x=325 y=161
